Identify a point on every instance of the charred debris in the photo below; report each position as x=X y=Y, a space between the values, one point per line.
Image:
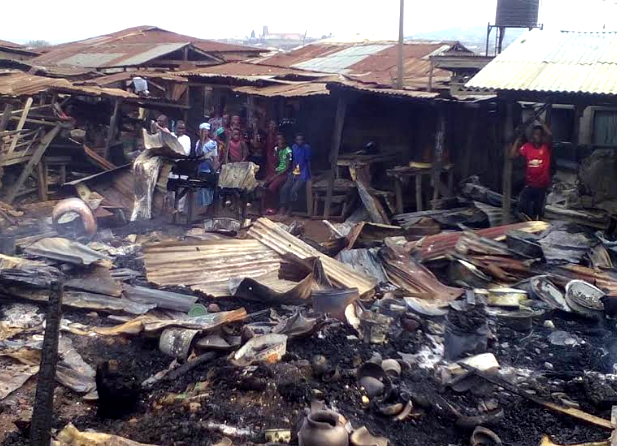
x=436 y=327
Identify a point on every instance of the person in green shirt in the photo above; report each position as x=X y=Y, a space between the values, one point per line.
x=282 y=152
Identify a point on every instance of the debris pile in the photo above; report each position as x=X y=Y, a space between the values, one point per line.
x=438 y=329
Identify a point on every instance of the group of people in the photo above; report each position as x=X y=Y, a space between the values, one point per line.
x=284 y=168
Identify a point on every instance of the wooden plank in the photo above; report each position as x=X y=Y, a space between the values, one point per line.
x=36 y=157
x=21 y=123
x=341 y=109
x=41 y=174
x=6 y=116
x=97 y=159
x=113 y=126
x=372 y=204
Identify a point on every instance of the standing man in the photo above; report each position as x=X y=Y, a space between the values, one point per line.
x=299 y=175
x=537 y=154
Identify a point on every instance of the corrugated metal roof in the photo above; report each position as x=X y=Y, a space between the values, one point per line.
x=341 y=61
x=23 y=84
x=247 y=70
x=288 y=90
x=132 y=46
x=369 y=62
x=7 y=44
x=556 y=62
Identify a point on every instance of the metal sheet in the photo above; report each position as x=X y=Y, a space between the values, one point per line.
x=554 y=61
x=68 y=251
x=208 y=266
x=282 y=242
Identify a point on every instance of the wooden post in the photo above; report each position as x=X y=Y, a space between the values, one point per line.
x=341 y=109
x=398 y=190
x=20 y=125
x=576 y=131
x=42 y=414
x=438 y=153
x=419 y=204
x=36 y=158
x=507 y=164
x=401 y=46
x=41 y=173
x=6 y=117
x=113 y=126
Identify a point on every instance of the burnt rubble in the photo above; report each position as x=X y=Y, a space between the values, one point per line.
x=500 y=335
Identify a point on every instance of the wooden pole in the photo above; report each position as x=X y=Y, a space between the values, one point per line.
x=401 y=43
x=438 y=153
x=341 y=109
x=42 y=414
x=507 y=164
x=113 y=125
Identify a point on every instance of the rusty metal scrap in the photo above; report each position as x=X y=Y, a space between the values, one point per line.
x=280 y=241
x=436 y=246
x=414 y=278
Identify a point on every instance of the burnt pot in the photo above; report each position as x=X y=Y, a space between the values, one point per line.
x=323 y=428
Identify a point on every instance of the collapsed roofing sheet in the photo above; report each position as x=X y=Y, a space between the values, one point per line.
x=554 y=61
x=208 y=265
x=279 y=240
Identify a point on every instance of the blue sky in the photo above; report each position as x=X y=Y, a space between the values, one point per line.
x=68 y=20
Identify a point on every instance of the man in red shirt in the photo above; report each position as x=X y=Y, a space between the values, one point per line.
x=537 y=154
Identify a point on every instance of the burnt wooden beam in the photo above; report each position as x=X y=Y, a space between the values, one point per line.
x=42 y=415
x=113 y=127
x=6 y=116
x=36 y=158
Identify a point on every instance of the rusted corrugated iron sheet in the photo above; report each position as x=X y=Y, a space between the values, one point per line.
x=208 y=266
x=131 y=47
x=556 y=62
x=436 y=246
x=247 y=69
x=369 y=62
x=288 y=90
x=104 y=81
x=23 y=84
x=279 y=240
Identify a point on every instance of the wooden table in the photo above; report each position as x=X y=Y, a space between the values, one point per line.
x=354 y=161
x=404 y=174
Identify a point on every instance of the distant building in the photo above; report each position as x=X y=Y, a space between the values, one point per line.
x=279 y=41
